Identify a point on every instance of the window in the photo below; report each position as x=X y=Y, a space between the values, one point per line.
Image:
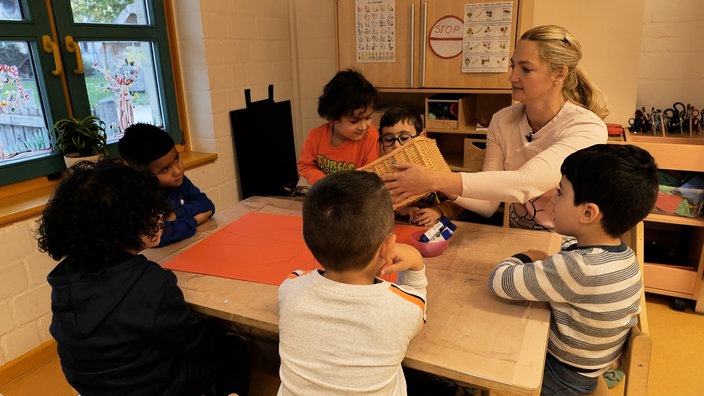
x=108 y=58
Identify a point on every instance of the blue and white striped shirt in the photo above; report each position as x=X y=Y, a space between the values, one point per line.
x=594 y=294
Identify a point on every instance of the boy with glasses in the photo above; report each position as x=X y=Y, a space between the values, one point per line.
x=398 y=125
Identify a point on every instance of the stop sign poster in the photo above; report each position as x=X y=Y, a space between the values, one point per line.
x=486 y=37
x=445 y=37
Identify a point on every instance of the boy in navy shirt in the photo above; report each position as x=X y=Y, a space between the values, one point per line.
x=146 y=146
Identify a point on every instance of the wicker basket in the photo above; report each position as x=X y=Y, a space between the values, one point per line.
x=421 y=150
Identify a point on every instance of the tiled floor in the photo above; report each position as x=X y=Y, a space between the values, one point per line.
x=677 y=363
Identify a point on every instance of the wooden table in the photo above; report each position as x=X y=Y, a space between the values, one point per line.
x=471 y=336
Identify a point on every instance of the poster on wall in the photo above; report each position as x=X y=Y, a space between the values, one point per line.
x=376 y=30
x=487 y=37
x=445 y=37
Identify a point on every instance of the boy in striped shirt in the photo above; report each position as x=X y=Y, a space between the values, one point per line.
x=594 y=285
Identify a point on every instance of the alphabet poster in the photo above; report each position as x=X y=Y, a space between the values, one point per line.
x=375 y=22
x=487 y=37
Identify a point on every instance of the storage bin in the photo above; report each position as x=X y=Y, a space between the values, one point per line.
x=474 y=150
x=448 y=111
x=679 y=201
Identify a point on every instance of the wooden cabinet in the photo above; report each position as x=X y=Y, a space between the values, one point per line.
x=678 y=270
x=415 y=63
x=417 y=71
x=461 y=144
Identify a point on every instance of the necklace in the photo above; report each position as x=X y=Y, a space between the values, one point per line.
x=533 y=130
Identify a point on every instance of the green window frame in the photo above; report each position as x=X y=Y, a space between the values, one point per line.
x=66 y=94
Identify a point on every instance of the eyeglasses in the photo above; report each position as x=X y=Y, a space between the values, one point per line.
x=388 y=139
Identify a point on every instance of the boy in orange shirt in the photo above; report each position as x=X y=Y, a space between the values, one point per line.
x=348 y=140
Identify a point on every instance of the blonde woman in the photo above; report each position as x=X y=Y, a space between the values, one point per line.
x=559 y=112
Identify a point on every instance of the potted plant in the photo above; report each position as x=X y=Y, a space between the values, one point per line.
x=80 y=139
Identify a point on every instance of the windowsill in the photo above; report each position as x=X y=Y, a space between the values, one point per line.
x=26 y=199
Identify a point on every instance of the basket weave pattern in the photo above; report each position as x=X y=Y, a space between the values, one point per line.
x=421 y=151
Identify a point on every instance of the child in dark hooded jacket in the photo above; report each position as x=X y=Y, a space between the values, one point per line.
x=121 y=322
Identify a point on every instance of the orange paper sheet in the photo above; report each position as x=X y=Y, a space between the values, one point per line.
x=257 y=247
x=668 y=203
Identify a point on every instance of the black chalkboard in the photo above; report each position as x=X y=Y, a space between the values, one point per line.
x=262 y=136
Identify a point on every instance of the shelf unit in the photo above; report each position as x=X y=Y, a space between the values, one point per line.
x=452 y=141
x=678 y=272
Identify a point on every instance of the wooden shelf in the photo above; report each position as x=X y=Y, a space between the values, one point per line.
x=672 y=219
x=460 y=131
x=684 y=279
x=671 y=280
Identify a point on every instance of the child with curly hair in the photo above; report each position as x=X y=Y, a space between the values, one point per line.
x=348 y=140
x=121 y=322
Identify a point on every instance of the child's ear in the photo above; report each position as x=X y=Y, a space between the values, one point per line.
x=423 y=133
x=590 y=213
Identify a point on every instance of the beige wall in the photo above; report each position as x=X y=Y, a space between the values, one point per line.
x=315 y=59
x=227 y=46
x=610 y=33
x=672 y=54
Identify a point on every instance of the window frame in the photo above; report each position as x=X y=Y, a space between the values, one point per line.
x=66 y=95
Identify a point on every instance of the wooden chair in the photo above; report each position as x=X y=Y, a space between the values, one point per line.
x=635 y=362
x=635 y=359
x=507 y=214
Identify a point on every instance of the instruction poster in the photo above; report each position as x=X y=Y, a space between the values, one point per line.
x=375 y=23
x=487 y=37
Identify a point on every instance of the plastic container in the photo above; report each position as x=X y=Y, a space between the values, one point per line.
x=428 y=249
x=680 y=201
x=442 y=229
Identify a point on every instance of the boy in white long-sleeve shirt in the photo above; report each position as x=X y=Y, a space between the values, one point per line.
x=343 y=330
x=594 y=286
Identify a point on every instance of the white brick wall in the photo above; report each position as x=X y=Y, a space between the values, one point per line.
x=24 y=293
x=672 y=54
x=316 y=58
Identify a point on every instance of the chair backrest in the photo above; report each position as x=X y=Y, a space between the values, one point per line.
x=636 y=356
x=635 y=359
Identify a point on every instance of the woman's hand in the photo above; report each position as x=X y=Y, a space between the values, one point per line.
x=411 y=180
